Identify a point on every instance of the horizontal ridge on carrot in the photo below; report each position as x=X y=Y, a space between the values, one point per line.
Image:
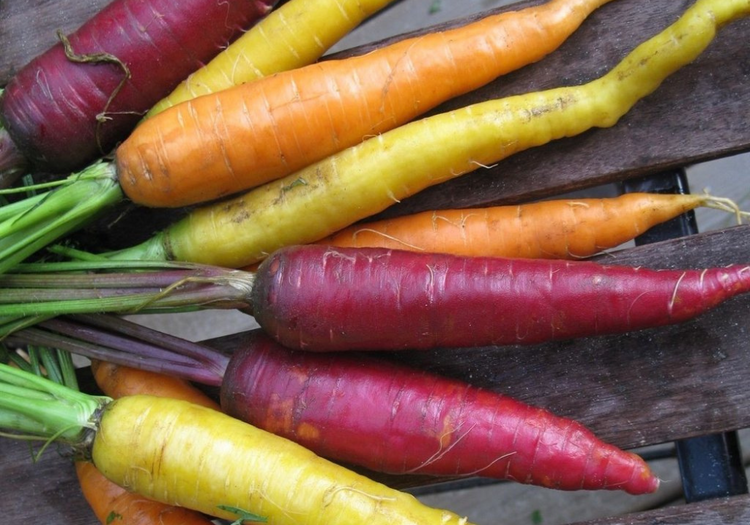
x=322 y=298
x=226 y=142
x=73 y=103
x=552 y=229
x=199 y=458
x=109 y=500
x=378 y=414
x=364 y=180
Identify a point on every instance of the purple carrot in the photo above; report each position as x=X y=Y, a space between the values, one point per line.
x=322 y=298
x=74 y=102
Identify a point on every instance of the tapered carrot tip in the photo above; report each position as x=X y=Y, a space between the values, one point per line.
x=642 y=480
x=625 y=471
x=576 y=460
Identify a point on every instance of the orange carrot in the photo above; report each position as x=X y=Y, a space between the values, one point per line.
x=117 y=381
x=113 y=504
x=110 y=502
x=250 y=134
x=555 y=229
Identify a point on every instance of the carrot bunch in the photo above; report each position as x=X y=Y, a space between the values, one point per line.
x=223 y=143
x=417 y=423
x=327 y=196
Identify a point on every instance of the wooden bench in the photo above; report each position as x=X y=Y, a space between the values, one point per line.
x=684 y=384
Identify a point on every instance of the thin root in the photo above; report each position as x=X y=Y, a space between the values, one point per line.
x=724 y=204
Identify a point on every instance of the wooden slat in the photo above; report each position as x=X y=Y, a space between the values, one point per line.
x=722 y=511
x=698 y=114
x=29 y=27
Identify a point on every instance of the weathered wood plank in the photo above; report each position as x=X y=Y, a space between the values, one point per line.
x=722 y=511
x=28 y=28
x=687 y=120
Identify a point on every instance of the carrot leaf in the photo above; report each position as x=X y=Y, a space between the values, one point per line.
x=243 y=515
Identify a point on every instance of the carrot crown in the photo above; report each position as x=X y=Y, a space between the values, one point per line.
x=32 y=223
x=33 y=407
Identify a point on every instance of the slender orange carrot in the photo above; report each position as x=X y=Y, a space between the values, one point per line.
x=225 y=142
x=555 y=229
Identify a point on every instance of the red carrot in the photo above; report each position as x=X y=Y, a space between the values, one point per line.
x=396 y=419
x=323 y=298
x=366 y=411
x=79 y=98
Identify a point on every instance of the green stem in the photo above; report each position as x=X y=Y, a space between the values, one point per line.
x=156 y=248
x=29 y=296
x=35 y=405
x=44 y=218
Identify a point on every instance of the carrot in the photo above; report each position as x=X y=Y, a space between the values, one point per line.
x=108 y=500
x=248 y=135
x=361 y=181
x=74 y=102
x=120 y=381
x=192 y=456
x=378 y=414
x=554 y=229
x=322 y=298
x=113 y=504
x=294 y=35
x=223 y=143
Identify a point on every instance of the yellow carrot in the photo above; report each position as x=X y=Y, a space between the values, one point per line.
x=366 y=179
x=293 y=35
x=188 y=455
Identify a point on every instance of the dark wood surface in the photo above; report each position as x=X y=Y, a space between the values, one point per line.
x=637 y=389
x=714 y=512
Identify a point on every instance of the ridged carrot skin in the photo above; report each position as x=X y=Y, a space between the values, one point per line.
x=110 y=502
x=323 y=298
x=192 y=456
x=392 y=418
x=554 y=229
x=366 y=179
x=248 y=135
x=58 y=111
x=113 y=504
x=294 y=35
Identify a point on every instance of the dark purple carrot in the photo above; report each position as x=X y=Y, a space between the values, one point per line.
x=370 y=412
x=74 y=102
x=323 y=298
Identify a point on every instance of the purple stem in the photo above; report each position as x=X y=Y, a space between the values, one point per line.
x=116 y=340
